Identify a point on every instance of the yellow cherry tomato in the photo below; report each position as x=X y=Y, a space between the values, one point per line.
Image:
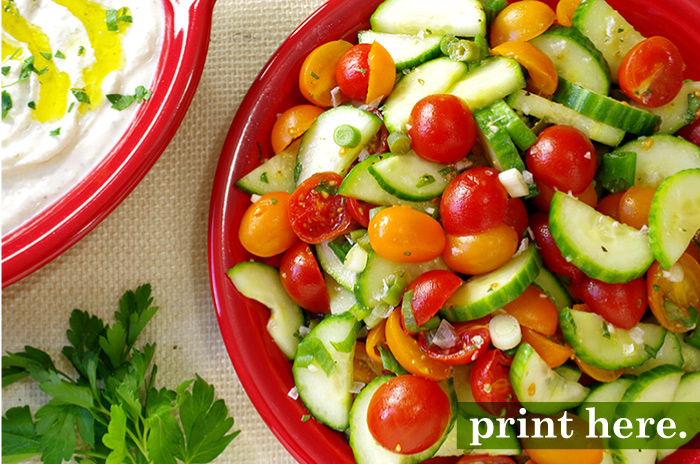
x=674 y=293
x=292 y=124
x=634 y=206
x=596 y=373
x=559 y=456
x=375 y=338
x=565 y=11
x=317 y=75
x=265 y=229
x=542 y=75
x=382 y=73
x=481 y=252
x=522 y=20
x=405 y=235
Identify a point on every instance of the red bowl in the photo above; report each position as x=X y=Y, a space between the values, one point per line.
x=63 y=223
x=263 y=370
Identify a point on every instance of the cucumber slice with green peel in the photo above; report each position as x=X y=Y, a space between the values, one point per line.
x=688 y=392
x=496 y=78
x=605 y=109
x=603 y=345
x=611 y=392
x=504 y=116
x=262 y=283
x=679 y=111
x=674 y=216
x=318 y=152
x=323 y=369
x=275 y=175
x=367 y=450
x=691 y=357
x=569 y=371
x=575 y=58
x=660 y=156
x=406 y=50
x=410 y=177
x=556 y=113
x=464 y=18
x=539 y=388
x=617 y=173
x=670 y=353
x=552 y=286
x=601 y=247
x=607 y=30
x=483 y=294
x=432 y=77
x=341 y=299
x=333 y=266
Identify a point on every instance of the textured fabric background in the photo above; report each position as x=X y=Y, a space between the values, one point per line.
x=158 y=235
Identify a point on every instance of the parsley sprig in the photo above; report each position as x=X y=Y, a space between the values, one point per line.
x=119 y=414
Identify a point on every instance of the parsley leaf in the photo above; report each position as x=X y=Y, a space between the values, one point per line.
x=5 y=70
x=80 y=95
x=6 y=103
x=120 y=102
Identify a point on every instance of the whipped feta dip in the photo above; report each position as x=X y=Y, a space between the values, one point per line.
x=61 y=59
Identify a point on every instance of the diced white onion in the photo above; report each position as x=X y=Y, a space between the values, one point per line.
x=303 y=331
x=528 y=177
x=364 y=154
x=505 y=332
x=356 y=259
x=445 y=336
x=524 y=245
x=336 y=96
x=463 y=164
x=513 y=181
x=357 y=387
x=255 y=197
x=293 y=393
x=675 y=274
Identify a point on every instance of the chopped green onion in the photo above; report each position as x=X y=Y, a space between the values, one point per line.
x=340 y=247
x=399 y=143
x=356 y=259
x=111 y=20
x=347 y=136
x=312 y=349
x=407 y=313
x=505 y=332
x=263 y=178
x=389 y=362
x=347 y=345
x=425 y=179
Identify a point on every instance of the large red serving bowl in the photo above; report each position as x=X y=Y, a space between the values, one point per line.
x=261 y=367
x=56 y=228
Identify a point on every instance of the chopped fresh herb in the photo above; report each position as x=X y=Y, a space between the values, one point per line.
x=444 y=172
x=305 y=417
x=341 y=247
x=111 y=20
x=124 y=16
x=80 y=95
x=606 y=330
x=314 y=75
x=362 y=70
x=327 y=188
x=47 y=56
x=70 y=107
x=407 y=253
x=425 y=179
x=55 y=132
x=142 y=94
x=59 y=54
x=32 y=104
x=656 y=288
x=6 y=103
x=121 y=102
x=260 y=154
x=81 y=50
x=5 y=70
x=263 y=178
x=273 y=201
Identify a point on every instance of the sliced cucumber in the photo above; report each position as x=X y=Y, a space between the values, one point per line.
x=539 y=388
x=407 y=50
x=597 y=244
x=603 y=345
x=504 y=116
x=661 y=156
x=327 y=394
x=274 y=175
x=674 y=216
x=464 y=18
x=410 y=177
x=552 y=286
x=608 y=30
x=617 y=173
x=575 y=58
x=496 y=78
x=432 y=77
x=610 y=392
x=341 y=299
x=318 y=152
x=669 y=353
x=332 y=265
x=676 y=113
x=556 y=113
x=688 y=421
x=262 y=283
x=486 y=293
x=691 y=357
x=605 y=109
x=569 y=371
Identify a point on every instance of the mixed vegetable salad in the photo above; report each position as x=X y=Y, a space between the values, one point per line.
x=484 y=206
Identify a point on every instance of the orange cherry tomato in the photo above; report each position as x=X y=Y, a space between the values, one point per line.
x=522 y=20
x=590 y=452
x=671 y=302
x=265 y=230
x=317 y=74
x=382 y=73
x=481 y=252
x=292 y=124
x=542 y=75
x=544 y=199
x=365 y=369
x=596 y=373
x=403 y=234
x=610 y=205
x=407 y=351
x=534 y=309
x=550 y=351
x=375 y=338
x=634 y=206
x=565 y=11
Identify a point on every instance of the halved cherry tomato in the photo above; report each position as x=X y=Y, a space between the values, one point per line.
x=442 y=128
x=481 y=252
x=652 y=72
x=483 y=459
x=596 y=373
x=610 y=205
x=683 y=456
x=634 y=206
x=316 y=211
x=563 y=158
x=522 y=20
x=473 y=202
x=429 y=292
x=516 y=216
x=359 y=211
x=408 y=414
x=542 y=75
x=551 y=255
x=674 y=295
x=302 y=278
x=565 y=11
x=691 y=132
x=472 y=340
x=265 y=229
x=535 y=310
x=382 y=74
x=292 y=124
x=491 y=384
x=352 y=72
x=403 y=234
x=317 y=74
x=551 y=352
x=623 y=305
x=365 y=369
x=588 y=452
x=407 y=351
x=544 y=200
x=375 y=338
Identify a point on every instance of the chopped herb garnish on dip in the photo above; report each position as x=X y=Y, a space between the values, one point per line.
x=80 y=95
x=55 y=132
x=5 y=70
x=6 y=103
x=81 y=50
x=70 y=107
x=31 y=105
x=113 y=17
x=47 y=56
x=59 y=54
x=120 y=102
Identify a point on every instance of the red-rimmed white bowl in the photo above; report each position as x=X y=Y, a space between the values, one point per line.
x=58 y=227
x=261 y=367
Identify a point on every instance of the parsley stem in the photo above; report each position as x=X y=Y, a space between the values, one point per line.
x=88 y=452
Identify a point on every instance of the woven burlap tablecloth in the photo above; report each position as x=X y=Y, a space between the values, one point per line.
x=159 y=235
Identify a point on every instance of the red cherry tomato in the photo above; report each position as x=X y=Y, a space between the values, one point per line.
x=652 y=72
x=473 y=202
x=429 y=291
x=623 y=305
x=442 y=128
x=302 y=278
x=551 y=255
x=516 y=216
x=472 y=340
x=485 y=460
x=563 y=158
x=316 y=211
x=359 y=211
x=491 y=384
x=683 y=456
x=408 y=414
x=352 y=72
x=691 y=132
